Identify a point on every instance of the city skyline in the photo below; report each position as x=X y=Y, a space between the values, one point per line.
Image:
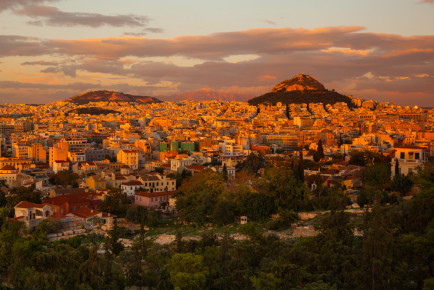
x=53 y=50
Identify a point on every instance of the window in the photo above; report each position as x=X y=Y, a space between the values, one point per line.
x=402 y=156
x=416 y=155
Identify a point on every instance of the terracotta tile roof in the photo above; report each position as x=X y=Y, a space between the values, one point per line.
x=8 y=167
x=85 y=212
x=408 y=147
x=155 y=194
x=70 y=198
x=131 y=183
x=28 y=204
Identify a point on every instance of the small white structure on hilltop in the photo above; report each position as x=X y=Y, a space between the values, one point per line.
x=243 y=220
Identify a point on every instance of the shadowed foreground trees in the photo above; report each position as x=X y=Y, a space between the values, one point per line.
x=395 y=251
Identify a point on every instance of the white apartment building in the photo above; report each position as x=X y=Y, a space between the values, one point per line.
x=409 y=159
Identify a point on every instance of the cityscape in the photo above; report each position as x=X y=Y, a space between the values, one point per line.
x=207 y=162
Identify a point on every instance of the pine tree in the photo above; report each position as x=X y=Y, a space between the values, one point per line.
x=225 y=172
x=301 y=166
x=320 y=149
x=397 y=167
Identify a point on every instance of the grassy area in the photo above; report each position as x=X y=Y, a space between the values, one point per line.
x=193 y=230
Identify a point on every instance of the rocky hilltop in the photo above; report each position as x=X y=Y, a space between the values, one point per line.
x=301 y=89
x=301 y=82
x=109 y=96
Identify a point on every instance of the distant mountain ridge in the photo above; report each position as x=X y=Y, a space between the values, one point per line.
x=204 y=94
x=301 y=89
x=110 y=96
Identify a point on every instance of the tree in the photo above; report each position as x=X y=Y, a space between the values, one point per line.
x=253 y=163
x=3 y=200
x=225 y=172
x=90 y=270
x=197 y=196
x=137 y=214
x=113 y=239
x=116 y=202
x=397 y=171
x=265 y=281
x=300 y=167
x=377 y=176
x=381 y=264
x=281 y=185
x=402 y=183
x=187 y=271
x=319 y=154
x=64 y=178
x=18 y=194
x=224 y=212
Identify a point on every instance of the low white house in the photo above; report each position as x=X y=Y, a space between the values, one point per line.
x=131 y=187
x=408 y=158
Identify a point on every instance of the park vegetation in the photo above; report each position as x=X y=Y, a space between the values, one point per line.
x=395 y=249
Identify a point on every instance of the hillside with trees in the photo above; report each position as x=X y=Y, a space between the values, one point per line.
x=301 y=89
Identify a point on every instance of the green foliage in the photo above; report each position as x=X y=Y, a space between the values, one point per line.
x=18 y=194
x=396 y=250
x=377 y=176
x=319 y=154
x=180 y=176
x=300 y=97
x=3 y=200
x=281 y=185
x=252 y=164
x=137 y=214
x=254 y=205
x=224 y=212
x=64 y=178
x=402 y=183
x=116 y=203
x=187 y=271
x=285 y=219
x=366 y=158
x=197 y=197
x=265 y=281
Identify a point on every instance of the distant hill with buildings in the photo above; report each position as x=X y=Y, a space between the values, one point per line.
x=110 y=96
x=91 y=111
x=207 y=94
x=301 y=89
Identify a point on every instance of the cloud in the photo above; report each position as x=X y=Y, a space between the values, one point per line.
x=12 y=4
x=48 y=15
x=144 y=32
x=270 y=22
x=14 y=45
x=39 y=62
x=339 y=57
x=428 y=1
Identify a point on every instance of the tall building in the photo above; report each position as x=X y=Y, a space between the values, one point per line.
x=59 y=151
x=129 y=157
x=37 y=153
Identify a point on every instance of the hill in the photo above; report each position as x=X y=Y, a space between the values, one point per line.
x=91 y=111
x=207 y=94
x=301 y=89
x=109 y=96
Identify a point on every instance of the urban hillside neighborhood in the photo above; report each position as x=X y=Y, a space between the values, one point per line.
x=151 y=194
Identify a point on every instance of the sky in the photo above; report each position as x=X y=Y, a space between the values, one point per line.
x=51 y=50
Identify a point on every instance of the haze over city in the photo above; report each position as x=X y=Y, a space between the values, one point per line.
x=52 y=50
